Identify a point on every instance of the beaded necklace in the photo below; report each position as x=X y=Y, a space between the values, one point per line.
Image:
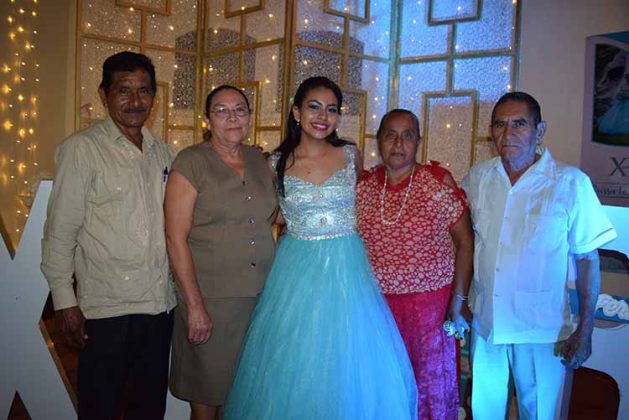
x=382 y=197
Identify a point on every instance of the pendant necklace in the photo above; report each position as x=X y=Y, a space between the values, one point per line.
x=382 y=197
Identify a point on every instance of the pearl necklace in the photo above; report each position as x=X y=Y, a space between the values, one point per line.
x=384 y=191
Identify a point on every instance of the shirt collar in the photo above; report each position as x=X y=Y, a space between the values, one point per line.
x=114 y=133
x=545 y=165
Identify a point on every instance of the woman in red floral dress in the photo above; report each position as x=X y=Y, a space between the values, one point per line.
x=415 y=223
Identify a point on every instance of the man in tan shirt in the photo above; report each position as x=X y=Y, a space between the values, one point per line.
x=105 y=229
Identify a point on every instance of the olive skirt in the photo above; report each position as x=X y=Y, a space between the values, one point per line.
x=203 y=373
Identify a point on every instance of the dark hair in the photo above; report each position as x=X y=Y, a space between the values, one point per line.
x=293 y=129
x=395 y=112
x=208 y=102
x=534 y=109
x=126 y=61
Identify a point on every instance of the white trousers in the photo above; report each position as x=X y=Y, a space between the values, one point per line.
x=538 y=375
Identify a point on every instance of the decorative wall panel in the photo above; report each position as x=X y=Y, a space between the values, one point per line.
x=382 y=54
x=354 y=9
x=450 y=121
x=164 y=30
x=464 y=49
x=374 y=35
x=441 y=11
x=418 y=38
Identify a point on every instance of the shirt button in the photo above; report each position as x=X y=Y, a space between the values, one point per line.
x=252 y=241
x=252 y=265
x=249 y=198
x=126 y=277
x=497 y=269
x=251 y=221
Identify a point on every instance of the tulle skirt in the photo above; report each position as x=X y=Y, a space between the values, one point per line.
x=322 y=343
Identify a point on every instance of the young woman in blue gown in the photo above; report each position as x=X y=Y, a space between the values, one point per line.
x=322 y=343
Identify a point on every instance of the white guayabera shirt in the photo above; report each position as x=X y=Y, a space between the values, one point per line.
x=525 y=235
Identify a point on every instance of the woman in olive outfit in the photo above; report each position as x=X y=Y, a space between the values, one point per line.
x=220 y=204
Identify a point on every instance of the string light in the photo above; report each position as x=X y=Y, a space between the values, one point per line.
x=18 y=75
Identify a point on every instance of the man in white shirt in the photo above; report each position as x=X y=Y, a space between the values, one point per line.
x=532 y=217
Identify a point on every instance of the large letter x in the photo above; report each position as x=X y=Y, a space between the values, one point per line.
x=26 y=365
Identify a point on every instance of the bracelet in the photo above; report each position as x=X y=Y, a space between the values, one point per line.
x=461 y=297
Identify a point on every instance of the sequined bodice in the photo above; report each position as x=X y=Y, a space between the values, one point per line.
x=321 y=211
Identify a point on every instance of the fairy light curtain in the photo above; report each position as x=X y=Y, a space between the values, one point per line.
x=19 y=79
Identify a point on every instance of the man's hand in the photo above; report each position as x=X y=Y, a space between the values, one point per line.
x=71 y=324
x=576 y=349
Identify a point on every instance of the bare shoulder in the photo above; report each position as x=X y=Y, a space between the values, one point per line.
x=357 y=157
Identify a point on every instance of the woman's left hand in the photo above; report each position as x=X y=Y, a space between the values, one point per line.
x=460 y=315
x=199 y=325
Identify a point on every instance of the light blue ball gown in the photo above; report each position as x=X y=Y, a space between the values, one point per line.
x=322 y=343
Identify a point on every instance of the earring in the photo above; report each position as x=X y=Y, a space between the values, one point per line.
x=298 y=123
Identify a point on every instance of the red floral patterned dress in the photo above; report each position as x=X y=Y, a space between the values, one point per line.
x=413 y=260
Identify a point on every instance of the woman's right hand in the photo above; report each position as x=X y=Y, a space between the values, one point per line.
x=199 y=326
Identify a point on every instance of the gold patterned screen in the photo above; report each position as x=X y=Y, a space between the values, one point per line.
x=446 y=60
x=456 y=58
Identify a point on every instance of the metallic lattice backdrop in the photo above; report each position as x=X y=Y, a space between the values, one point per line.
x=446 y=60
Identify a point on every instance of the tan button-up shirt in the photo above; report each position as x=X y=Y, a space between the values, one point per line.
x=105 y=225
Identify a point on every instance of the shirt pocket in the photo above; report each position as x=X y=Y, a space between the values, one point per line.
x=544 y=242
x=109 y=218
x=119 y=287
x=481 y=222
x=545 y=233
x=107 y=195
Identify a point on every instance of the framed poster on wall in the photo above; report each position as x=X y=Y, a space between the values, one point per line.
x=605 y=145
